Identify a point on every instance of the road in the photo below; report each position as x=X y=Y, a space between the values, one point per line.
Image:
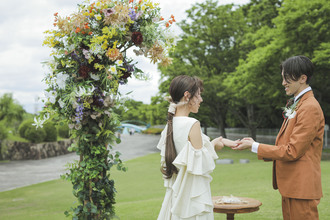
x=15 y=174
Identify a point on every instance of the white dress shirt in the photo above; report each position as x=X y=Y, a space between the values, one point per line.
x=255 y=145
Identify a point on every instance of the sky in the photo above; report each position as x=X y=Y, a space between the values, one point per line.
x=22 y=24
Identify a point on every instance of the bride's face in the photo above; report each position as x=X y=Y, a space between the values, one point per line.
x=194 y=102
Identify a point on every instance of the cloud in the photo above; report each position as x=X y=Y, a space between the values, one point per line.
x=22 y=24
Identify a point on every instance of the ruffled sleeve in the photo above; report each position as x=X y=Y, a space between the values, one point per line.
x=192 y=186
x=197 y=161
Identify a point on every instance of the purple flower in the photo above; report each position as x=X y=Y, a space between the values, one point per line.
x=132 y=14
x=79 y=112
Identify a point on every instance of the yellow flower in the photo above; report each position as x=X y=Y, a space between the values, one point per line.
x=98 y=66
x=86 y=104
x=98 y=17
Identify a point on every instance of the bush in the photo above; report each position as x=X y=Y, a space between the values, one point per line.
x=63 y=130
x=153 y=131
x=3 y=131
x=24 y=125
x=35 y=135
x=51 y=132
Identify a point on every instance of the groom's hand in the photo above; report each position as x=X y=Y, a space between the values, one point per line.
x=245 y=143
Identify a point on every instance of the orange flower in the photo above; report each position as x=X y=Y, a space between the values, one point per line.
x=90 y=33
x=161 y=18
x=113 y=53
x=78 y=30
x=55 y=14
x=83 y=32
x=55 y=24
x=167 y=24
x=130 y=1
x=172 y=16
x=136 y=7
x=173 y=20
x=170 y=21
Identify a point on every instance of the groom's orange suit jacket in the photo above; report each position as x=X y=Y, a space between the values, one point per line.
x=297 y=152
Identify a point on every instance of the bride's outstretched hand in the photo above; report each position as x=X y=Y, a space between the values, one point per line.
x=245 y=143
x=230 y=143
x=217 y=143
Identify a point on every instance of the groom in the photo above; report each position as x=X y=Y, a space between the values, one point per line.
x=296 y=154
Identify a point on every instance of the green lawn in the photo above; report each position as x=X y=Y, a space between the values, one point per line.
x=141 y=191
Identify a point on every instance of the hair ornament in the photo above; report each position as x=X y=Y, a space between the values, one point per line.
x=173 y=106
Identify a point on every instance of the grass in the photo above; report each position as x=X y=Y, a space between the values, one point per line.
x=141 y=192
x=16 y=137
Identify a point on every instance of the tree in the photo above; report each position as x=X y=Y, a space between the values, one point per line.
x=10 y=110
x=209 y=49
x=301 y=27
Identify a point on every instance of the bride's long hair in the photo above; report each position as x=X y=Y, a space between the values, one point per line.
x=178 y=86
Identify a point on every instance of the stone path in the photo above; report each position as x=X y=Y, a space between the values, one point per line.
x=15 y=174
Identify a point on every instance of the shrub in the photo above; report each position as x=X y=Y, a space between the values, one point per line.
x=153 y=131
x=51 y=132
x=24 y=125
x=35 y=135
x=63 y=130
x=3 y=131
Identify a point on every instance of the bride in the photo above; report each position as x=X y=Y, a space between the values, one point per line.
x=187 y=155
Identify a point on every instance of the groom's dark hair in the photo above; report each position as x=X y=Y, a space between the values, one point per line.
x=296 y=66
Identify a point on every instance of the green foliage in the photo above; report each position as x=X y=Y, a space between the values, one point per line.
x=10 y=110
x=34 y=135
x=63 y=130
x=90 y=175
x=3 y=131
x=153 y=114
x=51 y=132
x=238 y=54
x=152 y=131
x=23 y=127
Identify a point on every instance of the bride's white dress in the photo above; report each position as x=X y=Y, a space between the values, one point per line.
x=188 y=193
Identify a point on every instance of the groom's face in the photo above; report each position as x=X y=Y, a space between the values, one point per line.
x=293 y=87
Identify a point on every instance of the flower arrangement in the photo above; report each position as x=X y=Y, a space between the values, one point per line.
x=289 y=111
x=90 y=60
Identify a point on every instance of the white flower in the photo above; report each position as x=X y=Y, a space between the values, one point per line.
x=291 y=115
x=96 y=49
x=90 y=90
x=122 y=27
x=95 y=77
x=61 y=80
x=62 y=104
x=51 y=96
x=81 y=91
x=119 y=62
x=86 y=54
x=113 y=69
x=38 y=122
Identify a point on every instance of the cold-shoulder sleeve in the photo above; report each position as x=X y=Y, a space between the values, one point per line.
x=188 y=192
x=198 y=161
x=192 y=185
